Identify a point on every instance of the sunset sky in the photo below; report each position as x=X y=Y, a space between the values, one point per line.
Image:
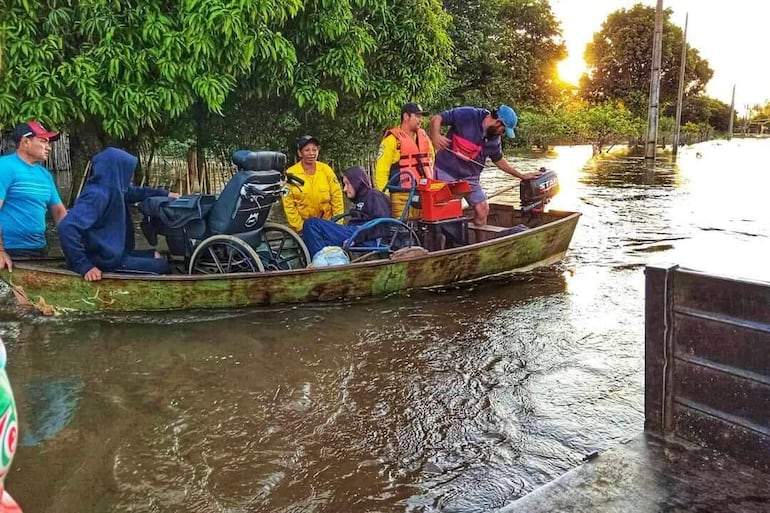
x=727 y=34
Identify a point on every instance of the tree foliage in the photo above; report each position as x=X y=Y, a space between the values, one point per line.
x=604 y=125
x=761 y=112
x=111 y=69
x=128 y=67
x=620 y=58
x=222 y=74
x=505 y=51
x=364 y=59
x=702 y=109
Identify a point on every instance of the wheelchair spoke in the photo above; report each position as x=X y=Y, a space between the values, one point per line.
x=282 y=248
x=222 y=254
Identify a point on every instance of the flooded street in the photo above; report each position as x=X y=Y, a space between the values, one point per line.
x=462 y=399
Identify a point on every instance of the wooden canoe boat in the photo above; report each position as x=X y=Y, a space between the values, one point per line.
x=47 y=287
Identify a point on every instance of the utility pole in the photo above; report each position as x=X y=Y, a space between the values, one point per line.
x=652 y=116
x=746 y=120
x=680 y=95
x=732 y=115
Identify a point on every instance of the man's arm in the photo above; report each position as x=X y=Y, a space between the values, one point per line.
x=5 y=258
x=386 y=157
x=58 y=212
x=439 y=141
x=505 y=166
x=136 y=194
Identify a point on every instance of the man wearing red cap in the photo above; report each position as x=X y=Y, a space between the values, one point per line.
x=27 y=190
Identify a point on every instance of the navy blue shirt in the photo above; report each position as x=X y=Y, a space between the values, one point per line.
x=466 y=123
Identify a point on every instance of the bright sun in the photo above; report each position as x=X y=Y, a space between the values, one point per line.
x=571 y=69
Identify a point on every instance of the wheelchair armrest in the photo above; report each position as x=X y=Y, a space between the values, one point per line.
x=339 y=216
x=371 y=224
x=394 y=185
x=294 y=180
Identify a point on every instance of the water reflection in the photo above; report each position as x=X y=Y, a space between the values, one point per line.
x=629 y=172
x=459 y=399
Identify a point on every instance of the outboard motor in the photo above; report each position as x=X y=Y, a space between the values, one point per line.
x=535 y=193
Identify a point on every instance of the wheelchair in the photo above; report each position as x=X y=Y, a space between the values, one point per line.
x=229 y=233
x=400 y=234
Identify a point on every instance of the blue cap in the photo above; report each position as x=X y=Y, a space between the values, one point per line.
x=509 y=118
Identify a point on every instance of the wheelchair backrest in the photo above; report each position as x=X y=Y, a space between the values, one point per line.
x=247 y=160
x=245 y=202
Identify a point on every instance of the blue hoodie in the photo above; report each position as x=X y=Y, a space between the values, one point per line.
x=368 y=203
x=98 y=231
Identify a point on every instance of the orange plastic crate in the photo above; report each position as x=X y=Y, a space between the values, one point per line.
x=441 y=200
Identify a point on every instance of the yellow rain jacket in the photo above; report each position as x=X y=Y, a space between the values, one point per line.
x=320 y=196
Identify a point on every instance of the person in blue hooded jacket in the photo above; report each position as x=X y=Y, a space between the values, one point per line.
x=368 y=204
x=97 y=235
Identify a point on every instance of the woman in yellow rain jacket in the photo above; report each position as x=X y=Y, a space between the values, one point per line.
x=320 y=196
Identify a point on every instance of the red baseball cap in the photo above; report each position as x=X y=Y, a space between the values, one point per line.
x=33 y=129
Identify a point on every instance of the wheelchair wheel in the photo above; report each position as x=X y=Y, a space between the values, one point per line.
x=282 y=248
x=224 y=254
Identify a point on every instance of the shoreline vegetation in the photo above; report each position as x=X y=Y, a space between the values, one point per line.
x=184 y=86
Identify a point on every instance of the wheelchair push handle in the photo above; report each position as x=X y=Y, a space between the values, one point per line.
x=294 y=180
x=252 y=190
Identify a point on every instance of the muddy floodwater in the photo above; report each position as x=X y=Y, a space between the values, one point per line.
x=462 y=399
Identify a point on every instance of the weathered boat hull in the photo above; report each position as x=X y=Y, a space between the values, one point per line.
x=54 y=290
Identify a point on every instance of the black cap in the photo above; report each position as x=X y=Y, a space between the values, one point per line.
x=305 y=140
x=413 y=108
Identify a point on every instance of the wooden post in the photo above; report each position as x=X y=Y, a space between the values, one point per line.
x=680 y=95
x=652 y=116
x=658 y=350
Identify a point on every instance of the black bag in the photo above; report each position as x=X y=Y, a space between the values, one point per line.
x=178 y=219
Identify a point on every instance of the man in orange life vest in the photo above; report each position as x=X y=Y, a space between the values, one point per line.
x=406 y=147
x=474 y=135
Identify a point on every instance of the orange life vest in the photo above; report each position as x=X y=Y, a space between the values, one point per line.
x=415 y=157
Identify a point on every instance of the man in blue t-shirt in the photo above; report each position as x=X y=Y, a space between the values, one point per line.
x=27 y=190
x=474 y=135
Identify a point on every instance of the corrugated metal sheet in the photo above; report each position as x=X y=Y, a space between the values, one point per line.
x=707 y=344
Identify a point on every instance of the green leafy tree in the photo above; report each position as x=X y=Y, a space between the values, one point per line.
x=544 y=129
x=110 y=70
x=104 y=70
x=759 y=118
x=396 y=52
x=703 y=109
x=619 y=61
x=604 y=125
x=505 y=51
x=761 y=111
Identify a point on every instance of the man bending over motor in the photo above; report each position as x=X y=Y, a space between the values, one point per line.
x=474 y=134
